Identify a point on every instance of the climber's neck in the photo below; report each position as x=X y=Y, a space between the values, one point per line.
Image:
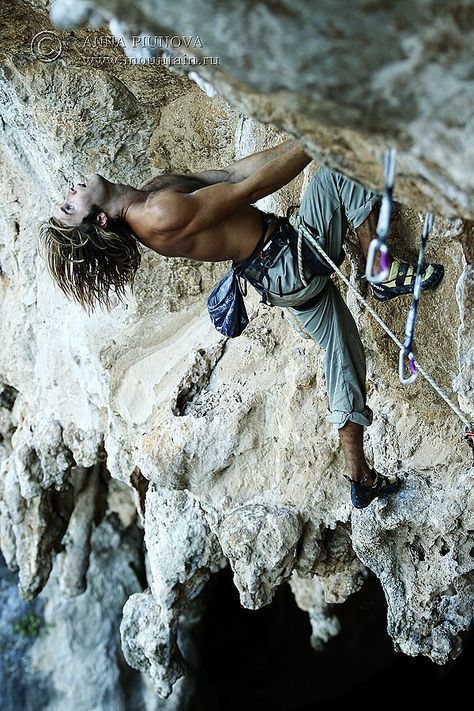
x=122 y=200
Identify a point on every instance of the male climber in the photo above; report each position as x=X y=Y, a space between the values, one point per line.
x=91 y=245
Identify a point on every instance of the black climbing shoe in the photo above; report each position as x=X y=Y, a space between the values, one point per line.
x=401 y=280
x=362 y=495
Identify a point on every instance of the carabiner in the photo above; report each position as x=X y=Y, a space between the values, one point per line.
x=383 y=225
x=401 y=367
x=377 y=245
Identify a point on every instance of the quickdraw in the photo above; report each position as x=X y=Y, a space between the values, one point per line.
x=406 y=350
x=378 y=244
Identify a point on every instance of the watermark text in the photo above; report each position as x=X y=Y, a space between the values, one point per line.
x=47 y=46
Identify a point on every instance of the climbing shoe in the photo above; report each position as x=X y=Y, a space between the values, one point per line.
x=401 y=280
x=362 y=495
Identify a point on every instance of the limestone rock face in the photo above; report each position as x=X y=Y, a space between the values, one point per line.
x=345 y=78
x=218 y=448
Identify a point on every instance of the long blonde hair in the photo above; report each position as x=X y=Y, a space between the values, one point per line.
x=87 y=261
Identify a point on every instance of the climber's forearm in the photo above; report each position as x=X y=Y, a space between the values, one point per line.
x=244 y=168
x=273 y=175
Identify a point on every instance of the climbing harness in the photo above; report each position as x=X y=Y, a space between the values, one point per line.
x=406 y=350
x=378 y=244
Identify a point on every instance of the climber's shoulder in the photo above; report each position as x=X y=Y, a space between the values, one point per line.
x=172 y=212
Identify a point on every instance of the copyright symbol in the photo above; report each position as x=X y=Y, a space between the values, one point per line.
x=46 y=46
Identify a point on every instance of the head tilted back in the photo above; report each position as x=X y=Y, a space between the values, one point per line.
x=88 y=261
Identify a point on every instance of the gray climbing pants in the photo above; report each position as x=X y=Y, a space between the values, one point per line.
x=329 y=204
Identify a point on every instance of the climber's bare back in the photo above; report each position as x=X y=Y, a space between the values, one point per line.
x=165 y=224
x=234 y=237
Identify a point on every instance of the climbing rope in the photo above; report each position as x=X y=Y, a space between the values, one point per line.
x=378 y=244
x=298 y=223
x=406 y=350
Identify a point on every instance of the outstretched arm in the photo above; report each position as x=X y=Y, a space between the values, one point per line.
x=244 y=168
x=186 y=213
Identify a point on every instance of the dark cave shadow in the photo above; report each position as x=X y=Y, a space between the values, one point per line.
x=262 y=659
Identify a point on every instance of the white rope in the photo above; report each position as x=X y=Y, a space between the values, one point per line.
x=298 y=224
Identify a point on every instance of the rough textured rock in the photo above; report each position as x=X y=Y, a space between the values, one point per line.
x=99 y=679
x=182 y=554
x=260 y=541
x=345 y=78
x=91 y=672
x=19 y=685
x=222 y=444
x=421 y=617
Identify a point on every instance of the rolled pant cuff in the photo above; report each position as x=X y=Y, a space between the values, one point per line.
x=339 y=418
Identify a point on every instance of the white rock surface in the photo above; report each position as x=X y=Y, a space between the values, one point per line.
x=222 y=443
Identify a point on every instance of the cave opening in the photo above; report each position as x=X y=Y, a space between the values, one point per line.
x=262 y=659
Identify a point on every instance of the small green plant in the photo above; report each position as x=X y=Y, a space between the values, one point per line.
x=28 y=625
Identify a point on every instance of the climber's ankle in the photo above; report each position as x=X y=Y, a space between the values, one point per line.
x=364 y=474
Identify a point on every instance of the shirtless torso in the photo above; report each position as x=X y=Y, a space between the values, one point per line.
x=234 y=237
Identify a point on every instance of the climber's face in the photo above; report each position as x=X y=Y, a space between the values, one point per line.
x=92 y=190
